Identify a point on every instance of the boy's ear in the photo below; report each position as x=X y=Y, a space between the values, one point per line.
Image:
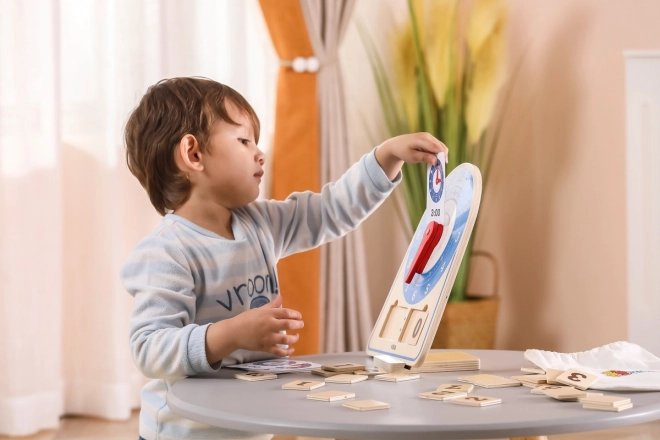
x=188 y=154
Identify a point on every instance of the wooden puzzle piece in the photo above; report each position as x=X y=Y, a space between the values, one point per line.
x=609 y=408
x=532 y=370
x=331 y=395
x=537 y=379
x=542 y=388
x=366 y=405
x=397 y=377
x=255 y=376
x=477 y=401
x=324 y=373
x=347 y=367
x=442 y=395
x=489 y=381
x=601 y=400
x=569 y=394
x=346 y=378
x=464 y=387
x=578 y=379
x=303 y=385
x=551 y=375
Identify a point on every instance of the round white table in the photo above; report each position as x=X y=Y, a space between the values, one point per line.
x=221 y=400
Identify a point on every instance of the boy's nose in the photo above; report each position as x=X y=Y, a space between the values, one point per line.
x=261 y=157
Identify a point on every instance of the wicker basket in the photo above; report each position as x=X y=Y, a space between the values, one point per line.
x=468 y=324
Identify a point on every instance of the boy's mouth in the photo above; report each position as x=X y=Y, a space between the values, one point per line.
x=259 y=174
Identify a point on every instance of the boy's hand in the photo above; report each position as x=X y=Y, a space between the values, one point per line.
x=259 y=329
x=410 y=148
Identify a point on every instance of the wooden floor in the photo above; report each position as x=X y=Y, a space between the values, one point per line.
x=86 y=428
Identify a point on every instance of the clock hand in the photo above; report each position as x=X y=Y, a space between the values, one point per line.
x=430 y=240
x=437 y=176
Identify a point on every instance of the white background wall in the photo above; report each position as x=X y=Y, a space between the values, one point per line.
x=555 y=206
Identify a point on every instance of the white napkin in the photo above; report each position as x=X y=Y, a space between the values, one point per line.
x=619 y=366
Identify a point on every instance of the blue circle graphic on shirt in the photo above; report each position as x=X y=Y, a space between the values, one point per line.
x=258 y=301
x=460 y=188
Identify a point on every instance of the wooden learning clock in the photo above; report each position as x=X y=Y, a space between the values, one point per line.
x=412 y=311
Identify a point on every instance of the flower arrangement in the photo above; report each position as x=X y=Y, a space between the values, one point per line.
x=447 y=75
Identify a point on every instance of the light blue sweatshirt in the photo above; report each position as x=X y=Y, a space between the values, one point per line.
x=184 y=278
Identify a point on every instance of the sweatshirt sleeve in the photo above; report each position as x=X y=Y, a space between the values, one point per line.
x=306 y=220
x=164 y=340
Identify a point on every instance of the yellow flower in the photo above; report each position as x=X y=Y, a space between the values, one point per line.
x=437 y=52
x=487 y=58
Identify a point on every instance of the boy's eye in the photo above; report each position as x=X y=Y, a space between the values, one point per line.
x=244 y=141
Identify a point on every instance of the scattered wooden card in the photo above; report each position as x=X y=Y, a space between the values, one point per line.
x=255 y=376
x=477 y=401
x=551 y=375
x=325 y=373
x=464 y=387
x=608 y=408
x=366 y=405
x=346 y=378
x=346 y=367
x=599 y=399
x=443 y=395
x=397 y=377
x=489 y=381
x=331 y=395
x=531 y=378
x=303 y=385
x=568 y=394
x=542 y=388
x=578 y=379
x=532 y=370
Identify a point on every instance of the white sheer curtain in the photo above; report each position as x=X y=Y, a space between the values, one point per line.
x=70 y=72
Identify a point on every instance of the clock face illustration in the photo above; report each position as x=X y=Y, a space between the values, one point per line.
x=436 y=182
x=458 y=200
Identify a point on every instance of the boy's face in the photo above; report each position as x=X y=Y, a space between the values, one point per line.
x=233 y=165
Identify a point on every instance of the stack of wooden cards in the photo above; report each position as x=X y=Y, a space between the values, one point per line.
x=366 y=405
x=438 y=362
x=489 y=381
x=435 y=362
x=566 y=394
x=476 y=401
x=531 y=380
x=337 y=369
x=397 y=377
x=389 y=363
x=346 y=378
x=606 y=403
x=443 y=395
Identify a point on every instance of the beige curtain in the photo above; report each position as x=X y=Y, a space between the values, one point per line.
x=69 y=209
x=345 y=308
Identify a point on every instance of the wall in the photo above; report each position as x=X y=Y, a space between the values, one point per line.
x=555 y=206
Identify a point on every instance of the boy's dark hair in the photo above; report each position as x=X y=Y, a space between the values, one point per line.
x=168 y=111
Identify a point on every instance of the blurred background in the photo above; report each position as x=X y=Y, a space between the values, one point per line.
x=557 y=102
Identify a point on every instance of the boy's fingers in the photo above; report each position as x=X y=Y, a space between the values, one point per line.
x=275 y=303
x=289 y=324
x=279 y=351
x=286 y=339
x=286 y=314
